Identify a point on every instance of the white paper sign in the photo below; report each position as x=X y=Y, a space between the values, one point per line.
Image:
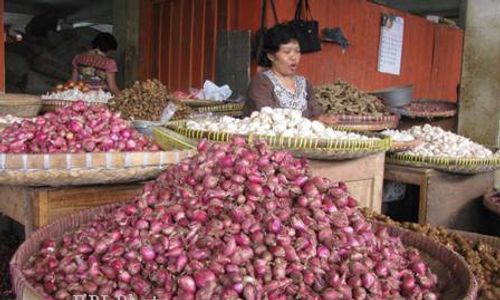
x=391 y=47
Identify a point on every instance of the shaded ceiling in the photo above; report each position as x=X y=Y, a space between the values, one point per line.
x=445 y=8
x=73 y=11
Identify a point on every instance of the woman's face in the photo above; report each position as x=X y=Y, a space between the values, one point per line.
x=287 y=59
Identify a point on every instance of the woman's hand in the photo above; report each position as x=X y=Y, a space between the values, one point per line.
x=112 y=86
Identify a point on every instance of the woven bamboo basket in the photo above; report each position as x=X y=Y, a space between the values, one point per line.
x=437 y=109
x=455 y=278
x=314 y=148
x=197 y=102
x=170 y=140
x=84 y=168
x=490 y=205
x=365 y=123
x=51 y=105
x=228 y=107
x=447 y=164
x=399 y=146
x=20 y=105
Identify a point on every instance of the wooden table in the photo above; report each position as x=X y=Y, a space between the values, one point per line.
x=35 y=207
x=446 y=199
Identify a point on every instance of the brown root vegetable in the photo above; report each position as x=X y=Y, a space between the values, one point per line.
x=342 y=98
x=145 y=101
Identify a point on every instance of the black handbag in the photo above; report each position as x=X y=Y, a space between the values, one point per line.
x=307 y=29
x=257 y=49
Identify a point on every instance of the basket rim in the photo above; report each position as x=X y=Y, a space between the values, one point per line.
x=490 y=206
x=463 y=166
x=85 y=216
x=24 y=99
x=365 y=119
x=473 y=288
x=226 y=107
x=382 y=143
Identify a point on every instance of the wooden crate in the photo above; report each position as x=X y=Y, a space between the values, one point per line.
x=35 y=207
x=364 y=177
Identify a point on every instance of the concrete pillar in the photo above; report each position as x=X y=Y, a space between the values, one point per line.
x=479 y=115
x=126 y=31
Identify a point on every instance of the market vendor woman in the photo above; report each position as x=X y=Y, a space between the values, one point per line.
x=280 y=86
x=95 y=67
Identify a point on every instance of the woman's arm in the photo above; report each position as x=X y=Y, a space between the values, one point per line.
x=315 y=111
x=111 y=81
x=74 y=74
x=260 y=94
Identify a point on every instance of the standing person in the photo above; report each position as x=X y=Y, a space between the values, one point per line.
x=96 y=67
x=280 y=86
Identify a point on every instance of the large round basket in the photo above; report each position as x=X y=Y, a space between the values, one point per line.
x=455 y=278
x=20 y=105
x=490 y=204
x=365 y=123
x=51 y=105
x=84 y=168
x=447 y=164
x=313 y=148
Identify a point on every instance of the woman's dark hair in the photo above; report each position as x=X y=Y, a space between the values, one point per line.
x=274 y=37
x=104 y=41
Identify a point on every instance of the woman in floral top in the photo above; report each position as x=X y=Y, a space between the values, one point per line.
x=279 y=86
x=95 y=67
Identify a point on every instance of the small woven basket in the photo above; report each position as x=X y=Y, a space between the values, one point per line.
x=435 y=109
x=196 y=102
x=365 y=123
x=20 y=105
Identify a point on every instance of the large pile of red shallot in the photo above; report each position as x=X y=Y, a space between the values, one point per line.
x=233 y=222
x=74 y=128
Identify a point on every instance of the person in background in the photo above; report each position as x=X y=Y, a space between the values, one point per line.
x=280 y=86
x=95 y=67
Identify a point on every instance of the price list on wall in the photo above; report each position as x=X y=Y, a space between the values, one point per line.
x=391 y=46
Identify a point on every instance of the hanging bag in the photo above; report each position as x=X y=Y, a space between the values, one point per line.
x=307 y=29
x=257 y=49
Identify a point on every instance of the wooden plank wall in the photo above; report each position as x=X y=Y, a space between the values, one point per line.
x=2 y=51
x=432 y=53
x=431 y=60
x=178 y=39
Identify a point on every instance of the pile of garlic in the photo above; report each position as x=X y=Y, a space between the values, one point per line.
x=273 y=122
x=398 y=136
x=75 y=95
x=439 y=142
x=9 y=119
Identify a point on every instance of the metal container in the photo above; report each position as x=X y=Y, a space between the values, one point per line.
x=395 y=96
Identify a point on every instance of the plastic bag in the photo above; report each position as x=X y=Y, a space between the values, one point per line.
x=211 y=91
x=168 y=112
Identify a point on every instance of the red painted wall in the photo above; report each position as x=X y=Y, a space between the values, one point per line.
x=432 y=53
x=178 y=44
x=2 y=51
